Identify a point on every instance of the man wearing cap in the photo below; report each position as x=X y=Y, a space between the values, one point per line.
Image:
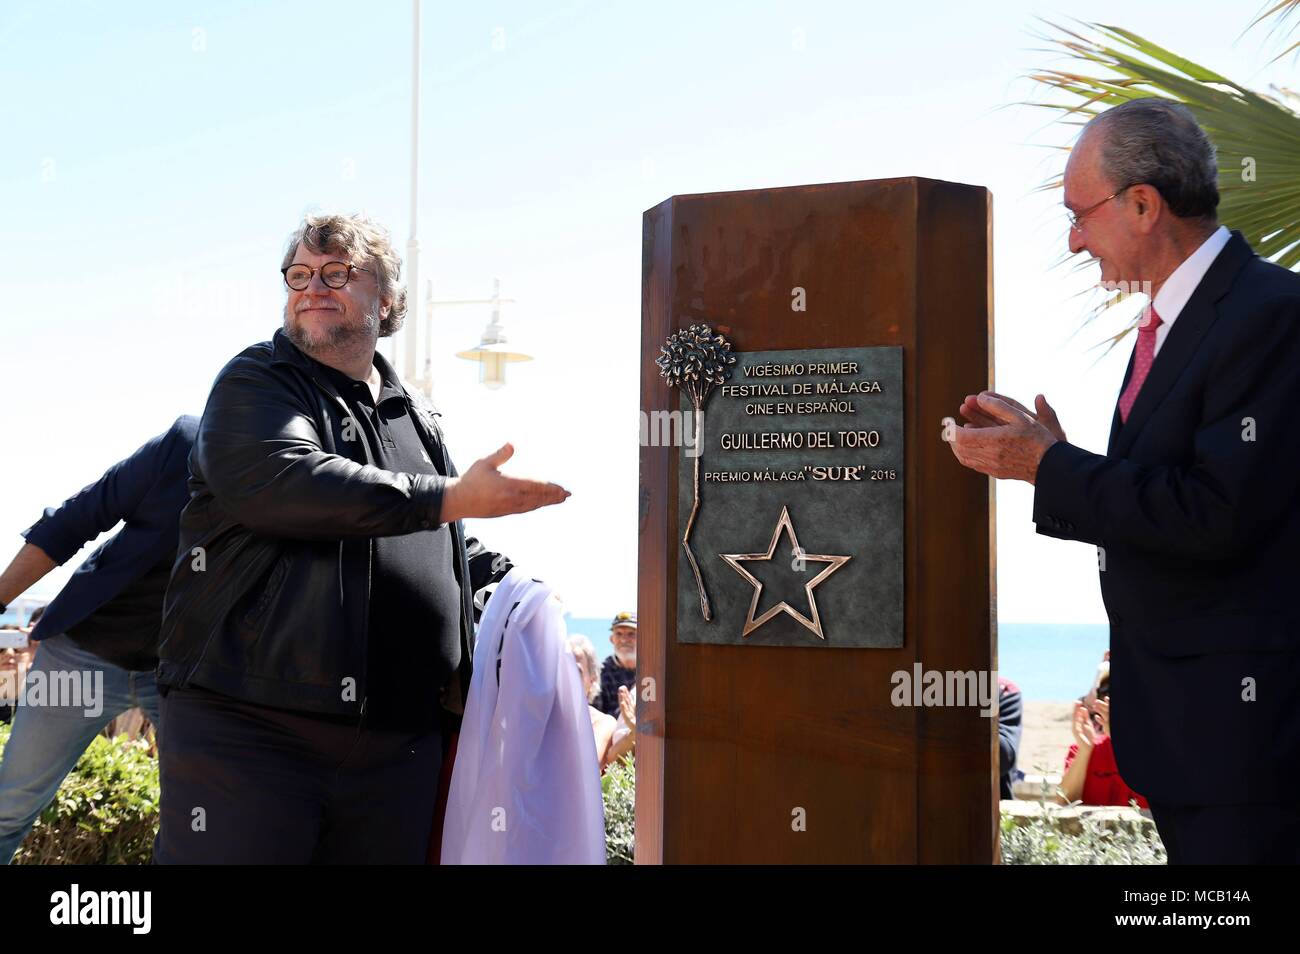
x=619 y=669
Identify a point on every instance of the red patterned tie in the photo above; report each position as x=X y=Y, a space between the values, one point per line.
x=1143 y=355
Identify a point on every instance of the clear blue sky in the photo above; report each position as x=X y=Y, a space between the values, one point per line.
x=156 y=155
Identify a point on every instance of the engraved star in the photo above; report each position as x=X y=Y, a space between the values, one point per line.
x=735 y=559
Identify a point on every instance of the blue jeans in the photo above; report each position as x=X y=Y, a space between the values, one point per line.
x=46 y=740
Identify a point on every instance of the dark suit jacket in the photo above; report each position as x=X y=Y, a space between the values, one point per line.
x=1196 y=511
x=148 y=490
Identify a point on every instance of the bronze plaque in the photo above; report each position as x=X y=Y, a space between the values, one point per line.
x=798 y=502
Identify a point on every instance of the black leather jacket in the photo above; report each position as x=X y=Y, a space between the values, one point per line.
x=269 y=596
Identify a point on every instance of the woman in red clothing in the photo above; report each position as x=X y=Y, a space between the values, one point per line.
x=1091 y=775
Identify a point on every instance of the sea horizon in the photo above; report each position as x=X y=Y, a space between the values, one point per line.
x=1048 y=662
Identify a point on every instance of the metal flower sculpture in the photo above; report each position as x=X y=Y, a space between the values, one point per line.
x=695 y=359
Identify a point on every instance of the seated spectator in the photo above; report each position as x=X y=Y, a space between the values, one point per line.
x=1010 y=714
x=602 y=725
x=619 y=669
x=1091 y=775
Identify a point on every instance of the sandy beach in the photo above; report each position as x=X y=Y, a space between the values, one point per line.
x=1045 y=737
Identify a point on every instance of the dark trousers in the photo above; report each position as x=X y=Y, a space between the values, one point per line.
x=246 y=784
x=1229 y=834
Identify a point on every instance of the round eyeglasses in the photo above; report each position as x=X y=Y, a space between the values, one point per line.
x=333 y=274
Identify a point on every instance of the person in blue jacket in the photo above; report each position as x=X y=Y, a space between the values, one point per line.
x=1010 y=714
x=98 y=639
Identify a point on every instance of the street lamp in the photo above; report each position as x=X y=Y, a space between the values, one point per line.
x=493 y=352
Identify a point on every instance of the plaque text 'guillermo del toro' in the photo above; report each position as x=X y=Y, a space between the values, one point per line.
x=799 y=534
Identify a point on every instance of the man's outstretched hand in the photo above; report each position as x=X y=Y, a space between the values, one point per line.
x=483 y=491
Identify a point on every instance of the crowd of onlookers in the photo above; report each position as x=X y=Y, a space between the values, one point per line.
x=1090 y=774
x=610 y=686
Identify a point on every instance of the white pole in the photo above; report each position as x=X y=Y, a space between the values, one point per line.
x=427 y=372
x=413 y=244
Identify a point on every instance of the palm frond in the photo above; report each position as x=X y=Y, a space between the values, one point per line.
x=1282 y=10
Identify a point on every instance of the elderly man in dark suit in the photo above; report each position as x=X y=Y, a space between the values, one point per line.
x=1194 y=505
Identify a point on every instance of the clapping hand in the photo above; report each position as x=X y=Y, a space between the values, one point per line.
x=1044 y=413
x=1084 y=731
x=627 y=706
x=1005 y=439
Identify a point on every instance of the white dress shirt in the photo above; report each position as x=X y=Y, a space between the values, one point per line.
x=1175 y=292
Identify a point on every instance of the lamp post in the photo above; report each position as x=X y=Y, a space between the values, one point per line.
x=413 y=244
x=492 y=352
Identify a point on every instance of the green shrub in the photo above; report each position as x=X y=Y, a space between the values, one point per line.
x=1043 y=842
x=618 y=789
x=105 y=812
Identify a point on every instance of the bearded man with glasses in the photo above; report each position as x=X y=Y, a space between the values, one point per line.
x=318 y=636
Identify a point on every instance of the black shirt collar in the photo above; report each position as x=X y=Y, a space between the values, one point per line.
x=390 y=385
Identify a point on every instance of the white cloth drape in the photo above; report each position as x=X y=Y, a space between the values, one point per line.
x=525 y=788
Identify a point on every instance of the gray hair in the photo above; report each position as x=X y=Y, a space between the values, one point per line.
x=1158 y=142
x=585 y=653
x=366 y=245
